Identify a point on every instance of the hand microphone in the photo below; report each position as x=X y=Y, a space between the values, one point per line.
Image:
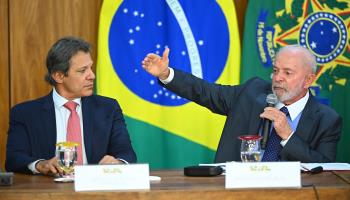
x=271 y=101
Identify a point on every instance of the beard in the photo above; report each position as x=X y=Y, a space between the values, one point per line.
x=287 y=93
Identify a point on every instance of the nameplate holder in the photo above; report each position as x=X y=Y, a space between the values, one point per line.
x=263 y=175
x=111 y=177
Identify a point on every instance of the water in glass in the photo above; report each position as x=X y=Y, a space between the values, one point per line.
x=250 y=148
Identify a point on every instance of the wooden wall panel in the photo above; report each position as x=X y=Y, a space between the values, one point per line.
x=241 y=6
x=34 y=26
x=4 y=78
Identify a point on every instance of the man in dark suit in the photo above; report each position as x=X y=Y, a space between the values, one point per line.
x=36 y=126
x=308 y=131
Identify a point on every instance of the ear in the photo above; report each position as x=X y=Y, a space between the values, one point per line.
x=58 y=77
x=310 y=78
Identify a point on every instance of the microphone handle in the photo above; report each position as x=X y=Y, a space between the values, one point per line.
x=266 y=129
x=266 y=132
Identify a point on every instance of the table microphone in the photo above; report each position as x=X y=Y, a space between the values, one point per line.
x=271 y=101
x=6 y=178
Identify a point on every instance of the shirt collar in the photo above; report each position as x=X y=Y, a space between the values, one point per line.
x=59 y=101
x=295 y=108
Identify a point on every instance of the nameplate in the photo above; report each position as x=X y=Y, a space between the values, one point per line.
x=111 y=177
x=263 y=175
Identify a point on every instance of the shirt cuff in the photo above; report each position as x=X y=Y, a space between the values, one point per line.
x=124 y=161
x=32 y=167
x=284 y=142
x=170 y=77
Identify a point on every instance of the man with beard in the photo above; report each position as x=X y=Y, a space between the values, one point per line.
x=303 y=129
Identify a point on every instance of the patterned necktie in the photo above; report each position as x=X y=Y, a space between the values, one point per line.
x=73 y=129
x=273 y=146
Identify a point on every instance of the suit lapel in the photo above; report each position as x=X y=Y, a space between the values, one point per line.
x=48 y=114
x=307 y=117
x=255 y=122
x=87 y=112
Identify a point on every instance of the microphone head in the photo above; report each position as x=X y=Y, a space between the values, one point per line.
x=271 y=99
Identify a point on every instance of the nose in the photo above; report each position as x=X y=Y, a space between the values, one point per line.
x=277 y=77
x=91 y=75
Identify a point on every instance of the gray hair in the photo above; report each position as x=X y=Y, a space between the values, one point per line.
x=308 y=58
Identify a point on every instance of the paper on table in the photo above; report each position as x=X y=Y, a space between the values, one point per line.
x=303 y=166
x=154 y=178
x=60 y=179
x=325 y=166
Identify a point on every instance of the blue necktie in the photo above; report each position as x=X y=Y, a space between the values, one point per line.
x=273 y=146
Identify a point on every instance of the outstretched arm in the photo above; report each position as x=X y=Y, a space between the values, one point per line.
x=156 y=65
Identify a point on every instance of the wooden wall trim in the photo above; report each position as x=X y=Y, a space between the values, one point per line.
x=4 y=78
x=241 y=6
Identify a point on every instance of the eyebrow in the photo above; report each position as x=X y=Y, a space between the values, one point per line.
x=86 y=66
x=83 y=67
x=283 y=68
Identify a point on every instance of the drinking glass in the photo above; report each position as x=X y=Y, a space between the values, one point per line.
x=250 y=148
x=66 y=154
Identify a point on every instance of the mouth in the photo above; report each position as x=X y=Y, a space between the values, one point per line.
x=89 y=86
x=278 y=89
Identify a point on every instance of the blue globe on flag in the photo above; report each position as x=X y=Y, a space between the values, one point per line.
x=140 y=27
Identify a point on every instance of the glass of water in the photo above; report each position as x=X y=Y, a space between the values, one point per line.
x=250 y=148
x=66 y=154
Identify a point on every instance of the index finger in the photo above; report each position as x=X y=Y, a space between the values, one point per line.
x=166 y=53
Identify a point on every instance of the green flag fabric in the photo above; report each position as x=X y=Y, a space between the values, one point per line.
x=167 y=131
x=322 y=26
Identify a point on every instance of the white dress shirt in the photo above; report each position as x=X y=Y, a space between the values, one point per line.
x=294 y=110
x=62 y=114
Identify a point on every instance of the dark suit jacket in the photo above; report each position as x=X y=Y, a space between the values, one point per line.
x=315 y=139
x=32 y=132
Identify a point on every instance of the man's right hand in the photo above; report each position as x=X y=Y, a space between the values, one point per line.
x=156 y=65
x=48 y=167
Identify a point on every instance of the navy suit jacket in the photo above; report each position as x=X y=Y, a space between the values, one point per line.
x=316 y=136
x=32 y=132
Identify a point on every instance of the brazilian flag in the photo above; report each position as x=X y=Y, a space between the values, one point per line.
x=322 y=26
x=167 y=131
